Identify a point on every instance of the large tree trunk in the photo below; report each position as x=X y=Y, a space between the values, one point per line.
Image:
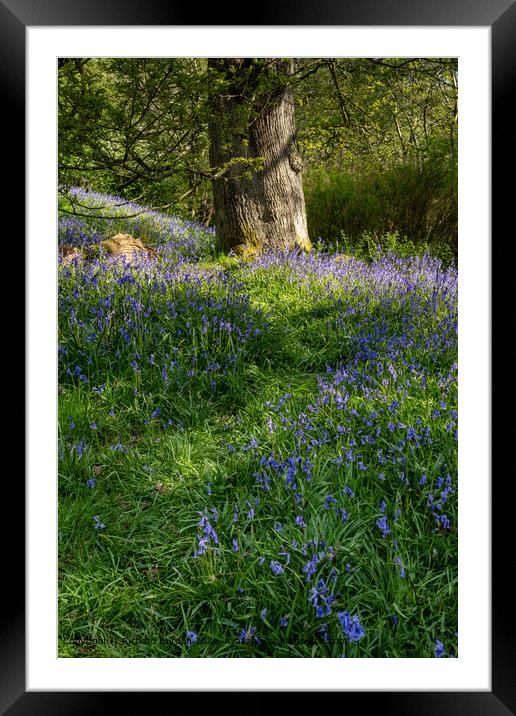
x=252 y=124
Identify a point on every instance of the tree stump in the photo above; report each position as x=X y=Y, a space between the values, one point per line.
x=126 y=246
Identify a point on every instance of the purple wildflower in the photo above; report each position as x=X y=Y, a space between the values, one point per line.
x=191 y=638
x=381 y=522
x=350 y=626
x=400 y=564
x=276 y=567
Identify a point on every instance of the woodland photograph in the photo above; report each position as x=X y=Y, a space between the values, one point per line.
x=257 y=357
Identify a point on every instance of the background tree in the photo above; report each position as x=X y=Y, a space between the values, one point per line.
x=259 y=202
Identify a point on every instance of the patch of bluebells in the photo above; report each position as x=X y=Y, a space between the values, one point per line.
x=376 y=358
x=108 y=309
x=248 y=636
x=173 y=237
x=437 y=497
x=320 y=599
x=207 y=537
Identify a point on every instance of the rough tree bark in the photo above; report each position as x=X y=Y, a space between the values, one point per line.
x=260 y=207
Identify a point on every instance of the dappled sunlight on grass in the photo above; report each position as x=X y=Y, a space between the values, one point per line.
x=262 y=454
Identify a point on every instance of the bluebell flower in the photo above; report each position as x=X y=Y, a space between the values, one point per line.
x=400 y=564
x=324 y=631
x=381 y=522
x=439 y=649
x=209 y=532
x=203 y=543
x=247 y=635
x=350 y=626
x=309 y=568
x=344 y=620
x=355 y=631
x=343 y=514
x=300 y=521
x=276 y=567
x=445 y=522
x=283 y=622
x=98 y=524
x=91 y=482
x=191 y=638
x=329 y=500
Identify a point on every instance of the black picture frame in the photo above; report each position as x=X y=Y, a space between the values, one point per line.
x=500 y=16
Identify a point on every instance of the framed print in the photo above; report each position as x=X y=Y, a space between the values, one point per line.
x=478 y=676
